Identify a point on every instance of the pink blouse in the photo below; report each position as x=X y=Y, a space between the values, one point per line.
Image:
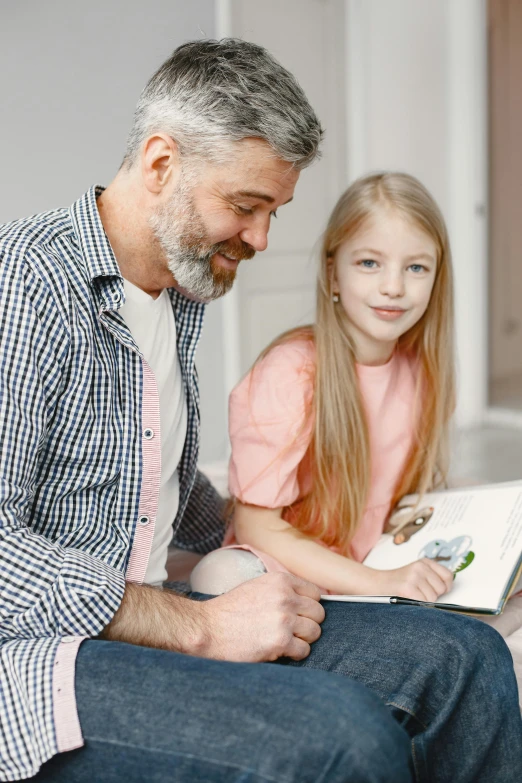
x=270 y=433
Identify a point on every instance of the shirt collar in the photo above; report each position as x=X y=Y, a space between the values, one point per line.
x=101 y=264
x=96 y=249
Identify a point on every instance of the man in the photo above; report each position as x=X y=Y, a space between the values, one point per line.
x=101 y=311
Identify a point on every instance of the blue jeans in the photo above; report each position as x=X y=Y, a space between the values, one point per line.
x=422 y=690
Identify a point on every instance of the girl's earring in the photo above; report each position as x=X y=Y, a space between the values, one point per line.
x=335 y=298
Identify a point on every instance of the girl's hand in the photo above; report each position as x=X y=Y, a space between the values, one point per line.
x=423 y=580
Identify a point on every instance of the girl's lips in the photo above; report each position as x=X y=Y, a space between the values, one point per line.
x=388 y=315
x=225 y=262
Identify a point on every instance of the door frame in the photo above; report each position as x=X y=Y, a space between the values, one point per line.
x=497 y=415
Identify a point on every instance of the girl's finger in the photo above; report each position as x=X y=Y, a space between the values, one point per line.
x=436 y=583
x=444 y=573
x=430 y=595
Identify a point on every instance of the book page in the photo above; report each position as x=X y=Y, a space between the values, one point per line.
x=476 y=533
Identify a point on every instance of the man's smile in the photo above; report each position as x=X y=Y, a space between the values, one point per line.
x=226 y=261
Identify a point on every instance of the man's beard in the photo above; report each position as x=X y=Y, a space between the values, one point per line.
x=180 y=231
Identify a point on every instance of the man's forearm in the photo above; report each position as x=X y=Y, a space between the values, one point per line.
x=152 y=617
x=273 y=616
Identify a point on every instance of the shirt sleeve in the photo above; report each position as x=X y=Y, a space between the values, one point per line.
x=205 y=512
x=46 y=590
x=270 y=425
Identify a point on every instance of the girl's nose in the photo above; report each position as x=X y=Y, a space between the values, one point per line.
x=392 y=285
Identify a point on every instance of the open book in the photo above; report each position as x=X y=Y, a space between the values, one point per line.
x=475 y=532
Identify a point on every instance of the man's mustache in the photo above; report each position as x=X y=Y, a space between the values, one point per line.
x=238 y=250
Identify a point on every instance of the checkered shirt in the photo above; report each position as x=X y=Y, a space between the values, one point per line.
x=78 y=476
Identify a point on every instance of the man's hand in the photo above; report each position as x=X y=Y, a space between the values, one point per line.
x=276 y=615
x=264 y=619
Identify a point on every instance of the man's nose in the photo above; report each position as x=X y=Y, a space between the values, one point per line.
x=256 y=235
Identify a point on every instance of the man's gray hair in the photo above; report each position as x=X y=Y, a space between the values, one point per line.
x=211 y=93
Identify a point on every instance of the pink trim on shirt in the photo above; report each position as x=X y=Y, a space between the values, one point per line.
x=150 y=483
x=67 y=725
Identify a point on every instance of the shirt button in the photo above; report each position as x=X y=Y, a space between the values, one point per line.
x=148 y=434
x=144 y=520
x=68 y=639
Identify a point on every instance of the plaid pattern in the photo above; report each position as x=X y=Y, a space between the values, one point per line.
x=71 y=390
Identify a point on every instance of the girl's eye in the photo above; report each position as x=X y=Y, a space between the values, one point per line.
x=417 y=268
x=368 y=263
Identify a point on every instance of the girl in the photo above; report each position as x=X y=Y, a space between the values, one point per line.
x=337 y=421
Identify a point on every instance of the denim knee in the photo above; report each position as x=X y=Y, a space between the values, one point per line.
x=486 y=651
x=469 y=636
x=358 y=738
x=471 y=649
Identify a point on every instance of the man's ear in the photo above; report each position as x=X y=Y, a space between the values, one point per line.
x=160 y=162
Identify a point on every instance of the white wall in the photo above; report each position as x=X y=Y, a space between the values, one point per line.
x=417 y=102
x=70 y=76
x=404 y=45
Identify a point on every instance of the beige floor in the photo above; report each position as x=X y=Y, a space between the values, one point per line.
x=487 y=454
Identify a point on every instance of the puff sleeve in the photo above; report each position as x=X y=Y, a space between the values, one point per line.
x=270 y=426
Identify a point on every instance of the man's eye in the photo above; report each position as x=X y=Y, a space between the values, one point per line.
x=274 y=213
x=244 y=210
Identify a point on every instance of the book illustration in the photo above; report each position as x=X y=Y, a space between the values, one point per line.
x=407 y=521
x=456 y=555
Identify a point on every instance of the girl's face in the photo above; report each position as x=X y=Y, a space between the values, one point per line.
x=384 y=276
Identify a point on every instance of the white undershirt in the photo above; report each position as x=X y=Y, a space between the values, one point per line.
x=151 y=323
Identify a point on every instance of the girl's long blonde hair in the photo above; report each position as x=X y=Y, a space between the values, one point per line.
x=339 y=451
